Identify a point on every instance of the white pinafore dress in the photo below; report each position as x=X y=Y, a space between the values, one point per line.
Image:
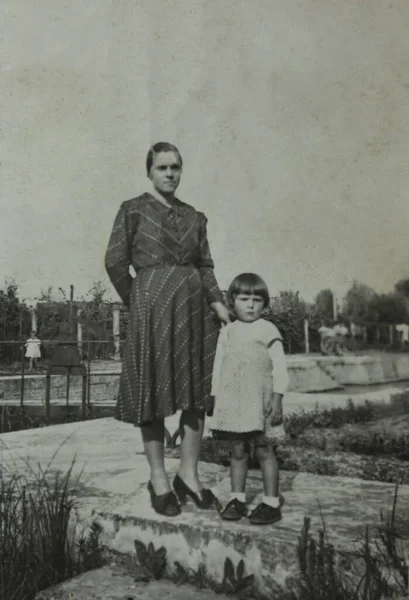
x=243 y=381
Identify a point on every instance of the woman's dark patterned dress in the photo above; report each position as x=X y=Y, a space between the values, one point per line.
x=171 y=342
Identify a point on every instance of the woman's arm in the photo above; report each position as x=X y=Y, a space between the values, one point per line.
x=118 y=256
x=220 y=349
x=205 y=265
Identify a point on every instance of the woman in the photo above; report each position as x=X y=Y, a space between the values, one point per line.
x=171 y=342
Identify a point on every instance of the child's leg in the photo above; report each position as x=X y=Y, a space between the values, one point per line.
x=239 y=466
x=236 y=507
x=268 y=511
x=270 y=472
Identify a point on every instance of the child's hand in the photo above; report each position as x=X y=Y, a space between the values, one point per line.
x=275 y=410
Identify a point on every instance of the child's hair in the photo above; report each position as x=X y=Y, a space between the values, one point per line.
x=247 y=283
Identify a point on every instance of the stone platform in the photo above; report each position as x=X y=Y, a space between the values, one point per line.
x=112 y=490
x=113 y=583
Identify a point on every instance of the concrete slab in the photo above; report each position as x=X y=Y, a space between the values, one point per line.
x=112 y=490
x=113 y=583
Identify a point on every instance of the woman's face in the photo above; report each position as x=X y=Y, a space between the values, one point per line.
x=165 y=172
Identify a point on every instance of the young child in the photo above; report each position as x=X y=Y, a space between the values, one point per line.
x=33 y=351
x=249 y=380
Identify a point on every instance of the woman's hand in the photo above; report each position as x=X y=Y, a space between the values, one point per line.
x=275 y=410
x=221 y=311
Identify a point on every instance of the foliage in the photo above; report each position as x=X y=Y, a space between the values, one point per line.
x=357 y=303
x=37 y=547
x=234 y=580
x=287 y=311
x=388 y=308
x=295 y=423
x=377 y=444
x=15 y=322
x=402 y=287
x=150 y=564
x=323 y=306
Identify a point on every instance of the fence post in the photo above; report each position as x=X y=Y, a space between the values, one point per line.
x=33 y=318
x=116 y=332
x=79 y=332
x=306 y=336
x=84 y=395
x=391 y=334
x=334 y=306
x=47 y=398
x=23 y=367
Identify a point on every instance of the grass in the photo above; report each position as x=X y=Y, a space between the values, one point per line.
x=40 y=542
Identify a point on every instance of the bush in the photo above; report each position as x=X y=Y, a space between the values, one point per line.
x=296 y=423
x=38 y=543
x=385 y=443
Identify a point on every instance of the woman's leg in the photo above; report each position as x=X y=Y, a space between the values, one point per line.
x=153 y=435
x=269 y=469
x=239 y=466
x=191 y=433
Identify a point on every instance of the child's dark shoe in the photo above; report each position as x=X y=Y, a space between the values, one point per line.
x=264 y=514
x=234 y=510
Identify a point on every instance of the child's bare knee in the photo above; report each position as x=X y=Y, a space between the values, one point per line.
x=240 y=451
x=264 y=451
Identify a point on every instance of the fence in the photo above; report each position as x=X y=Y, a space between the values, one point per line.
x=23 y=392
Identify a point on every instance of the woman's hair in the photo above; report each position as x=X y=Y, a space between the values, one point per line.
x=247 y=283
x=160 y=147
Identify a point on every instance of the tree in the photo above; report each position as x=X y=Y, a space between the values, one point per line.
x=358 y=303
x=287 y=311
x=402 y=287
x=323 y=306
x=15 y=321
x=45 y=296
x=388 y=308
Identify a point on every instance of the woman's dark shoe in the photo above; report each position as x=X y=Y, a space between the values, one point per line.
x=204 y=499
x=165 y=504
x=234 y=510
x=264 y=514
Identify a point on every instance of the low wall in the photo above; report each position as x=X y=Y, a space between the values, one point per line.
x=366 y=370
x=318 y=374
x=306 y=376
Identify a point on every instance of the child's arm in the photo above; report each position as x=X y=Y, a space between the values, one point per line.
x=218 y=361
x=280 y=381
x=280 y=372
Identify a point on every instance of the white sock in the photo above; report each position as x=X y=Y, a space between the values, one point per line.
x=273 y=501
x=241 y=496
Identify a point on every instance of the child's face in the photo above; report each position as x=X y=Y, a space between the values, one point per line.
x=248 y=307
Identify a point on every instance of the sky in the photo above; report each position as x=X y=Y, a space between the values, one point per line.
x=291 y=117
